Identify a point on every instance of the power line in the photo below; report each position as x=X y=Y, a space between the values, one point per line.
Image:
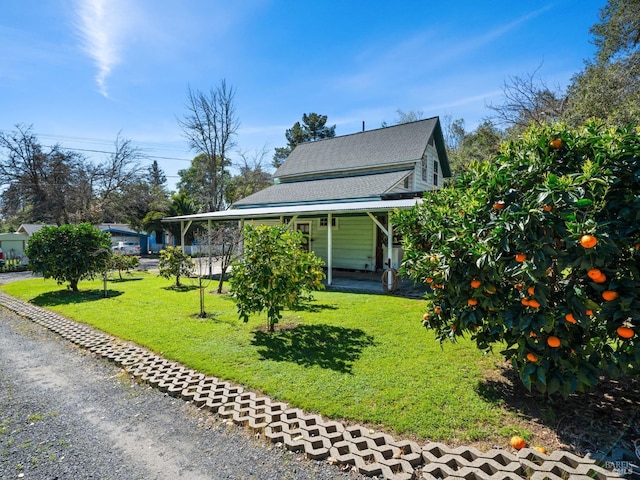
x=108 y=153
x=98 y=141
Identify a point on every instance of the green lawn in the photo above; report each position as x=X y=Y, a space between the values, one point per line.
x=365 y=358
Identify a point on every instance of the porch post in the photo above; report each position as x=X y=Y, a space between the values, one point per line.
x=183 y=231
x=329 y=249
x=209 y=238
x=389 y=249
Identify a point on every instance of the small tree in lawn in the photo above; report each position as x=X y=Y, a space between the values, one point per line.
x=123 y=263
x=69 y=253
x=275 y=273
x=175 y=263
x=538 y=252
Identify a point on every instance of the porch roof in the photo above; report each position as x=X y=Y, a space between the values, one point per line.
x=307 y=209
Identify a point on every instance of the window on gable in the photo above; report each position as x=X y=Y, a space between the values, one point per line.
x=435 y=173
x=425 y=170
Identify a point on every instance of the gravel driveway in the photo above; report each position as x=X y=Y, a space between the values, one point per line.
x=65 y=414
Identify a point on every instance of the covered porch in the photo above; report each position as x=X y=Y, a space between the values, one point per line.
x=378 y=213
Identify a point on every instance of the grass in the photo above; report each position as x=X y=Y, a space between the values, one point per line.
x=363 y=358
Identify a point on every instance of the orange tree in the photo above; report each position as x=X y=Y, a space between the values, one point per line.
x=537 y=252
x=274 y=272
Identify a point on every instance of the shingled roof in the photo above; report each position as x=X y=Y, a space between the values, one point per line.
x=361 y=187
x=366 y=150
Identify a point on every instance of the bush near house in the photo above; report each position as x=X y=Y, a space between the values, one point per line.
x=275 y=272
x=538 y=252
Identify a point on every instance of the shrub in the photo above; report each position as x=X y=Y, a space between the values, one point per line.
x=275 y=272
x=175 y=263
x=538 y=252
x=69 y=253
x=121 y=262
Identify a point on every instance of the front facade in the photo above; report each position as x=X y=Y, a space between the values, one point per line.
x=341 y=191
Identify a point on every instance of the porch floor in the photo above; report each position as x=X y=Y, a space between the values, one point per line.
x=370 y=282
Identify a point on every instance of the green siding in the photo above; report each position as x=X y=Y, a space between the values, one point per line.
x=353 y=241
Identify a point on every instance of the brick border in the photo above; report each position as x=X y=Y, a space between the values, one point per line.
x=369 y=452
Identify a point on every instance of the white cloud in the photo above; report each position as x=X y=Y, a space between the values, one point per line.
x=100 y=24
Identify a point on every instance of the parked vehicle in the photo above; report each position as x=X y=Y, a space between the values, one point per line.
x=126 y=248
x=3 y=260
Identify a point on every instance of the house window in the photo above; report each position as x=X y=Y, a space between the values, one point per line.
x=324 y=222
x=406 y=183
x=286 y=220
x=435 y=173
x=430 y=142
x=425 y=170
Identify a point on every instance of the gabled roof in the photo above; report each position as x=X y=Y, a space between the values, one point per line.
x=387 y=146
x=116 y=227
x=364 y=187
x=31 y=228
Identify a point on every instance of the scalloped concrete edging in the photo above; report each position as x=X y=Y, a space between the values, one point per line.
x=370 y=453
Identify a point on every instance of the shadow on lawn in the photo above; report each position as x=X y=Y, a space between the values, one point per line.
x=181 y=288
x=66 y=297
x=314 y=307
x=601 y=421
x=126 y=279
x=325 y=346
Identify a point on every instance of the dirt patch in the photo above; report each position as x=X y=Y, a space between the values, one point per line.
x=604 y=422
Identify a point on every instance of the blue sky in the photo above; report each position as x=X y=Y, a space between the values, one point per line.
x=81 y=71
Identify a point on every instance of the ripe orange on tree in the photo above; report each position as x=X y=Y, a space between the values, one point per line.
x=472 y=302
x=531 y=290
x=625 y=332
x=547 y=208
x=499 y=205
x=594 y=273
x=475 y=283
x=609 y=295
x=520 y=257
x=533 y=303
x=588 y=241
x=570 y=318
x=491 y=289
x=556 y=143
x=553 y=342
x=437 y=310
x=518 y=442
x=531 y=357
x=601 y=279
